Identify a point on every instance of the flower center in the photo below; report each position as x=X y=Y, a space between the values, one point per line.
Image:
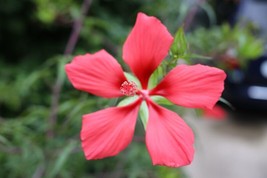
x=128 y=88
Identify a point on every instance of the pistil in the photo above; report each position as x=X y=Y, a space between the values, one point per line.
x=128 y=88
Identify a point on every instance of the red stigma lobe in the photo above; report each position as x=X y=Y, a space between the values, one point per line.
x=128 y=88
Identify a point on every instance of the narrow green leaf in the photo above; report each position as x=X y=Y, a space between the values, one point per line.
x=127 y=100
x=179 y=48
x=143 y=112
x=197 y=56
x=161 y=100
x=132 y=78
x=4 y=141
x=61 y=69
x=155 y=77
x=62 y=158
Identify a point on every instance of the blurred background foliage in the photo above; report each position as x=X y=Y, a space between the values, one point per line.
x=230 y=47
x=40 y=112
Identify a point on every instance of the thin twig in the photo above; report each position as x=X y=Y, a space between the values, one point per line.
x=76 y=28
x=39 y=172
x=10 y=150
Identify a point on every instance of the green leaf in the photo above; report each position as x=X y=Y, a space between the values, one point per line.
x=61 y=69
x=62 y=159
x=179 y=48
x=155 y=77
x=4 y=141
x=132 y=78
x=127 y=100
x=161 y=100
x=143 y=112
x=170 y=173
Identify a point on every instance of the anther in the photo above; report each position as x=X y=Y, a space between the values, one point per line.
x=128 y=88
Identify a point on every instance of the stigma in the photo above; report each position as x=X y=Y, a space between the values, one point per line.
x=128 y=88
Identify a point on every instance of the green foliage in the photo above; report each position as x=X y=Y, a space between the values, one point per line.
x=226 y=44
x=49 y=11
x=161 y=100
x=127 y=100
x=172 y=13
x=144 y=114
x=132 y=78
x=179 y=48
x=157 y=75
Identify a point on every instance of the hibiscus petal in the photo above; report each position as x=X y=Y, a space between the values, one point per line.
x=107 y=132
x=196 y=86
x=216 y=113
x=98 y=73
x=169 y=139
x=146 y=46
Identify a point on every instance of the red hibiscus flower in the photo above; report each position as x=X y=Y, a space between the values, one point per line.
x=107 y=132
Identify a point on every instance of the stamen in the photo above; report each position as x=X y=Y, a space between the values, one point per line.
x=128 y=88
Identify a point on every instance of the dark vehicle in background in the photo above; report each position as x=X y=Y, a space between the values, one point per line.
x=246 y=89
